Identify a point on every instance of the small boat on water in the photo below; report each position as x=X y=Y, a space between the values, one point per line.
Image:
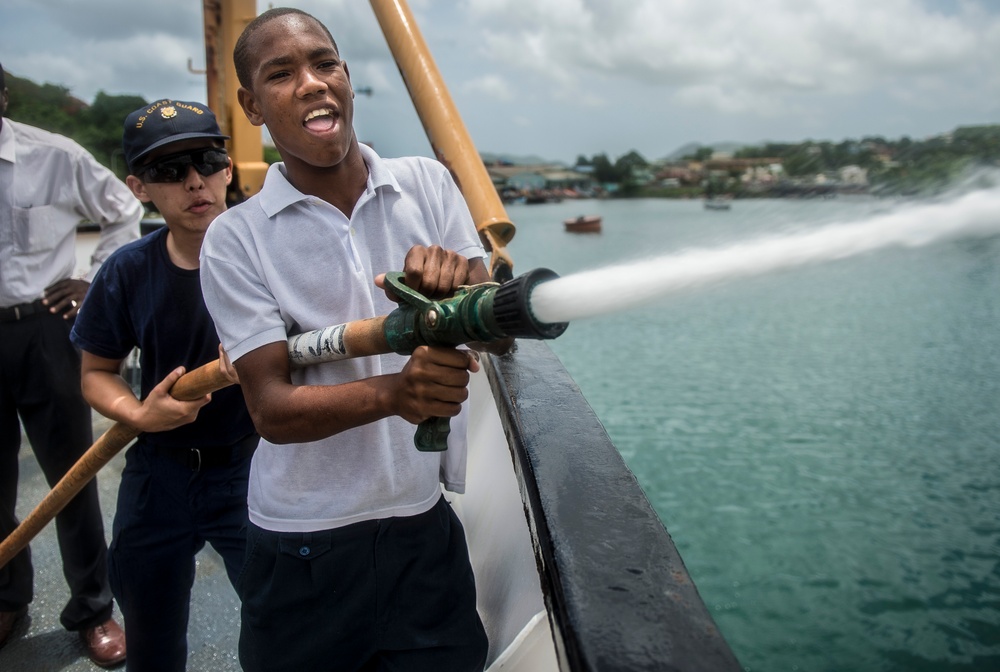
x=718 y=203
x=583 y=224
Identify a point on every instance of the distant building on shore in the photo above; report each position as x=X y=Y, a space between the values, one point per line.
x=539 y=183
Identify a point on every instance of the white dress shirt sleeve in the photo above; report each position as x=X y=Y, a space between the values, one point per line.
x=108 y=202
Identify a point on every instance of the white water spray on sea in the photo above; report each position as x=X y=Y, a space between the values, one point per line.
x=620 y=287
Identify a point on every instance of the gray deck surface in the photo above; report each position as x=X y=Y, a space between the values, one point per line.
x=40 y=644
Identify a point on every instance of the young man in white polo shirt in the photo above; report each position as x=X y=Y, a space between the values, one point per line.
x=355 y=560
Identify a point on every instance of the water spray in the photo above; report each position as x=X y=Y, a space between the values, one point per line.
x=614 y=288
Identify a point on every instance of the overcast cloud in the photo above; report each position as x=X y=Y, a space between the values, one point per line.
x=558 y=78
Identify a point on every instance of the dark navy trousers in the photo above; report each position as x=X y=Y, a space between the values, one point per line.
x=166 y=513
x=40 y=383
x=390 y=595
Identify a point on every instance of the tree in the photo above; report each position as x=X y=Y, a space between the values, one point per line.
x=627 y=162
x=603 y=170
x=271 y=154
x=46 y=106
x=97 y=127
x=102 y=126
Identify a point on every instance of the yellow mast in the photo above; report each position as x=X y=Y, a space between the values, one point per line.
x=449 y=138
x=224 y=21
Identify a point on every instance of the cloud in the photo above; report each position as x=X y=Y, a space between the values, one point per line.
x=121 y=65
x=493 y=86
x=561 y=77
x=113 y=19
x=747 y=57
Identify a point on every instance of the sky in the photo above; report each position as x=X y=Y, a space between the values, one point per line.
x=562 y=78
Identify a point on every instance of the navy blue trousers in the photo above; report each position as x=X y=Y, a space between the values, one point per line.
x=40 y=383
x=166 y=513
x=391 y=595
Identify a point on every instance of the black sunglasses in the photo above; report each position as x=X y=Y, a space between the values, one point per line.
x=174 y=168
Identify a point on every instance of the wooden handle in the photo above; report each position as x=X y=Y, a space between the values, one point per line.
x=196 y=384
x=446 y=131
x=192 y=385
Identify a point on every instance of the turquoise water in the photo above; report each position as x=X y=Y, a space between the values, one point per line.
x=822 y=443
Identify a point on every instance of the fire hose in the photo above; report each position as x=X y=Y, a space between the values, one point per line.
x=483 y=313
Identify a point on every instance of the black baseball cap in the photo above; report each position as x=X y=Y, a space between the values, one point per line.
x=163 y=122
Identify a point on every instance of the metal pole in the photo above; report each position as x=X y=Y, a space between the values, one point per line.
x=447 y=133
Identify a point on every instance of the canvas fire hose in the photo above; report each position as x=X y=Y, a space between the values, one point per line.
x=483 y=313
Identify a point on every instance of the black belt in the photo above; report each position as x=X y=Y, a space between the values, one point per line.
x=23 y=310
x=210 y=457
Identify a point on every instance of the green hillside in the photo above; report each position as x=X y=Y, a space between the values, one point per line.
x=97 y=126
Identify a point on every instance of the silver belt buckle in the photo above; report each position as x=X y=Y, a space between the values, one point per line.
x=17 y=313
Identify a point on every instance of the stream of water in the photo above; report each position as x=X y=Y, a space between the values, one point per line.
x=615 y=288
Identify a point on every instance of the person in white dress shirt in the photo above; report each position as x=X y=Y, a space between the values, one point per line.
x=48 y=185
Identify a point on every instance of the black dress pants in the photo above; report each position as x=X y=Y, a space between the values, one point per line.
x=40 y=383
x=389 y=595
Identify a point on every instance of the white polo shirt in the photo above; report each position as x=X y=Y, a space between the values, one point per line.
x=283 y=263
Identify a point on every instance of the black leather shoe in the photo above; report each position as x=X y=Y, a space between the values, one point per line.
x=9 y=619
x=105 y=643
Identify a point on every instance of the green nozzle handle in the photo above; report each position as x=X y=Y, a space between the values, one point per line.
x=487 y=312
x=432 y=435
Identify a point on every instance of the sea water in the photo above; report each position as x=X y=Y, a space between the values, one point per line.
x=821 y=440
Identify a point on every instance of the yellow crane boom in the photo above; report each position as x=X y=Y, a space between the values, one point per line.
x=224 y=21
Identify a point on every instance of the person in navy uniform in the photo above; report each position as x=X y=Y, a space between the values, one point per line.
x=185 y=478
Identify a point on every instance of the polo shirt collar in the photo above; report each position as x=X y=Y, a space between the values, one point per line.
x=278 y=193
x=379 y=174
